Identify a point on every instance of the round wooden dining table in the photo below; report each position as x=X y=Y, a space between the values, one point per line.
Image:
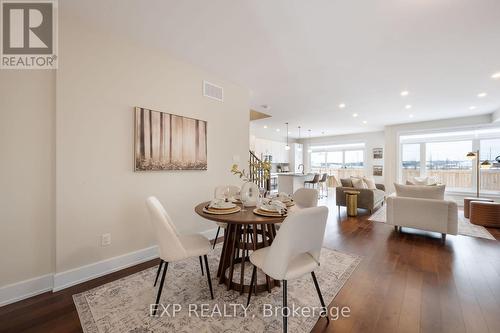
x=245 y=232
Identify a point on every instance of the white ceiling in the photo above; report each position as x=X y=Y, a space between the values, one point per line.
x=304 y=58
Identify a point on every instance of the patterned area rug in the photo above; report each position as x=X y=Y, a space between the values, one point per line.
x=464 y=226
x=123 y=305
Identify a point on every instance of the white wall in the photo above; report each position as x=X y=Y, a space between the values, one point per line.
x=101 y=77
x=27 y=116
x=370 y=139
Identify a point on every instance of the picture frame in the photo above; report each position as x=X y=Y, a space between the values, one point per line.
x=165 y=141
x=378 y=153
x=378 y=170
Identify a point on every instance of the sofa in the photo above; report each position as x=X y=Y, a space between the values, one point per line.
x=422 y=207
x=367 y=198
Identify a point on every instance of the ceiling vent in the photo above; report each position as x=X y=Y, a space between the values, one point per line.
x=213 y=91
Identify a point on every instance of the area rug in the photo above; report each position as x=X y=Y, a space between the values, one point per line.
x=124 y=305
x=464 y=226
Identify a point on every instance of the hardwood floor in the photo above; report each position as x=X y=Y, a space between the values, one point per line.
x=406 y=282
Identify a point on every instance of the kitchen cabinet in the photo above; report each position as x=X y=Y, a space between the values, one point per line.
x=274 y=148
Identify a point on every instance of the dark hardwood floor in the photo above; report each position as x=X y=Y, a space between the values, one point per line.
x=406 y=282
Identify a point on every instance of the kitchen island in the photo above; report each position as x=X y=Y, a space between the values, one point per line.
x=291 y=182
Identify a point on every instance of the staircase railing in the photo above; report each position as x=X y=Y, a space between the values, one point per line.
x=257 y=172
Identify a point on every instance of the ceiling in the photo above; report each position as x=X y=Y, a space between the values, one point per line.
x=302 y=59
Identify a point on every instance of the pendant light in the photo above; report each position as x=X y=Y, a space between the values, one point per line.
x=299 y=147
x=287 y=147
x=309 y=143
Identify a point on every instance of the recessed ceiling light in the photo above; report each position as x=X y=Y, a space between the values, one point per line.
x=354 y=115
x=408 y=106
x=342 y=105
x=496 y=76
x=277 y=130
x=265 y=126
x=289 y=132
x=365 y=122
x=481 y=95
x=472 y=107
x=404 y=93
x=411 y=116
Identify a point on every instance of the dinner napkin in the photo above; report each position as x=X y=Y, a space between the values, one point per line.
x=278 y=205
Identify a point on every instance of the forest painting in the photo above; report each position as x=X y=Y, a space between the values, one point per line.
x=164 y=141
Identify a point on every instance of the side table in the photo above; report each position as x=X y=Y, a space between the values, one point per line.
x=351 y=199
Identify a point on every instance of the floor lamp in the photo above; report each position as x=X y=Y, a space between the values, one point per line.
x=474 y=155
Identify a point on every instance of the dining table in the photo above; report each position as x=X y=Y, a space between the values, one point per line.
x=245 y=232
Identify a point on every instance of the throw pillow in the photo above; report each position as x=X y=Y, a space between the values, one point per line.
x=420 y=180
x=409 y=183
x=370 y=183
x=346 y=182
x=420 y=191
x=358 y=183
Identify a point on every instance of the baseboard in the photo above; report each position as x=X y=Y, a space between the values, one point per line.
x=88 y=272
x=28 y=288
x=21 y=290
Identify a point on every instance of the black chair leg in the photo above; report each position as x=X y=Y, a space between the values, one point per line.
x=158 y=272
x=160 y=288
x=201 y=266
x=216 y=235
x=325 y=312
x=208 y=276
x=254 y=271
x=285 y=307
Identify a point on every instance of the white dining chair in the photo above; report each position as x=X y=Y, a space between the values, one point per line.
x=306 y=197
x=219 y=193
x=294 y=252
x=173 y=246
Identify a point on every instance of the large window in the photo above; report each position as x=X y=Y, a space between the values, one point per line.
x=442 y=157
x=490 y=178
x=446 y=162
x=339 y=161
x=353 y=159
x=410 y=161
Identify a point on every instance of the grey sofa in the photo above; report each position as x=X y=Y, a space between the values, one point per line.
x=367 y=199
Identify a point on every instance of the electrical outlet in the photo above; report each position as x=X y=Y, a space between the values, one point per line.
x=105 y=239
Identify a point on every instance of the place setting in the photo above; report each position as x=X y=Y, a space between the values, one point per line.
x=221 y=207
x=276 y=206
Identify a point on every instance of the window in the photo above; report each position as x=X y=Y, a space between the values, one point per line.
x=334 y=159
x=442 y=156
x=318 y=159
x=341 y=161
x=446 y=162
x=410 y=161
x=490 y=178
x=353 y=159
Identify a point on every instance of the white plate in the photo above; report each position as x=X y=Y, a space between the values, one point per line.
x=222 y=205
x=268 y=208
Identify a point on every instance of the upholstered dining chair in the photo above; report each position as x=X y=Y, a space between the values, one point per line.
x=175 y=247
x=219 y=193
x=306 y=197
x=294 y=252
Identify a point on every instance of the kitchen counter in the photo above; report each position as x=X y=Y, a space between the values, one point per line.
x=290 y=182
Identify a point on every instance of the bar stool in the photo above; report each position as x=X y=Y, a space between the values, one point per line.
x=322 y=183
x=312 y=182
